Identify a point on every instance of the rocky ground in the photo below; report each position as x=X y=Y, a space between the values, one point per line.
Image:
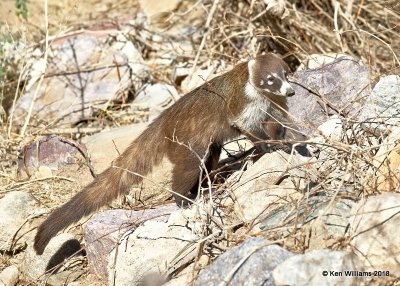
x=324 y=212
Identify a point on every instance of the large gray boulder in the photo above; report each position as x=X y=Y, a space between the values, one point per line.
x=340 y=87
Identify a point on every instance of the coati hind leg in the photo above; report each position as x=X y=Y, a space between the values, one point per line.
x=187 y=170
x=185 y=173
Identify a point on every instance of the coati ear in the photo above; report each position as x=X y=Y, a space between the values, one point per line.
x=251 y=66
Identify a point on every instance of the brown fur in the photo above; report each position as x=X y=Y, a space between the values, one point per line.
x=198 y=123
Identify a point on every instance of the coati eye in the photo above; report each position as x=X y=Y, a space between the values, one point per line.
x=270 y=79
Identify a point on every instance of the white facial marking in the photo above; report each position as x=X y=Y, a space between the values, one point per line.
x=270 y=79
x=261 y=82
x=286 y=88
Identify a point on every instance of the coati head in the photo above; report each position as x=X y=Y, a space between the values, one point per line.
x=268 y=74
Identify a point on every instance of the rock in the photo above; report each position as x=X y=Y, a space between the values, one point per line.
x=104 y=147
x=327 y=220
x=180 y=72
x=277 y=8
x=341 y=86
x=183 y=278
x=84 y=70
x=332 y=128
x=156 y=98
x=165 y=17
x=320 y=60
x=66 y=277
x=103 y=231
x=43 y=172
x=254 y=191
x=324 y=153
x=385 y=173
x=383 y=105
x=334 y=215
x=17 y=209
x=75 y=283
x=374 y=229
x=48 y=153
x=59 y=257
x=197 y=78
x=323 y=143
x=334 y=220
x=9 y=276
x=162 y=248
x=235 y=147
x=261 y=199
x=152 y=8
x=262 y=258
x=276 y=217
x=317 y=267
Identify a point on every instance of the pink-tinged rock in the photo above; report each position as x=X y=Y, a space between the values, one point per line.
x=50 y=151
x=103 y=231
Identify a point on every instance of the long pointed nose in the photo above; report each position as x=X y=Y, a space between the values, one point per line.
x=286 y=89
x=290 y=92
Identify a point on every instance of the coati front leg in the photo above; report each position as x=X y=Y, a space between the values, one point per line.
x=287 y=133
x=268 y=130
x=258 y=137
x=214 y=153
x=274 y=130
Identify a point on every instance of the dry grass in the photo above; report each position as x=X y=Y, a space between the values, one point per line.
x=365 y=29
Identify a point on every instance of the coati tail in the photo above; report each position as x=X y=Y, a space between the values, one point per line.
x=138 y=158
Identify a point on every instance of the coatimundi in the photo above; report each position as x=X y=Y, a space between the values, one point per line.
x=237 y=102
